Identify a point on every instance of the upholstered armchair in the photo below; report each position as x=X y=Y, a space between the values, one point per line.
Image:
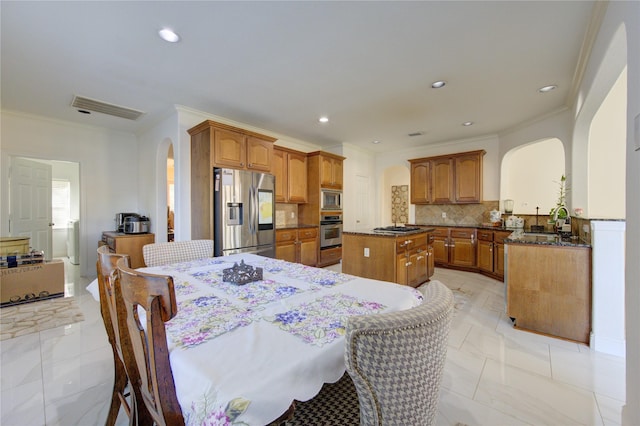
x=396 y=360
x=158 y=254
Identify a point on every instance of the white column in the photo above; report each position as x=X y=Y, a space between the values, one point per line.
x=608 y=255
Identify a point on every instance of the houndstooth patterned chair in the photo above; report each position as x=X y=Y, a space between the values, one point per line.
x=158 y=254
x=396 y=360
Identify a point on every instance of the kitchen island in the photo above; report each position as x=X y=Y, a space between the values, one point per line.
x=548 y=282
x=404 y=256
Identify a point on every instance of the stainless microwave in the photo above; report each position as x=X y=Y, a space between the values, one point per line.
x=330 y=199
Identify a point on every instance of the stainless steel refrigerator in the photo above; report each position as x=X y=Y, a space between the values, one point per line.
x=244 y=212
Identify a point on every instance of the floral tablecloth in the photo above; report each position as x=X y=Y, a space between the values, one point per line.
x=240 y=354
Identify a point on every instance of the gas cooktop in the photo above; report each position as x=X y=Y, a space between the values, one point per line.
x=397 y=229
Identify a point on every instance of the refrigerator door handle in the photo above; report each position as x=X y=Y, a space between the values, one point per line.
x=252 y=210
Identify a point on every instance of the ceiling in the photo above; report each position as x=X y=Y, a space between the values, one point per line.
x=279 y=66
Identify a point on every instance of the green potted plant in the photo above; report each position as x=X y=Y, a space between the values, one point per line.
x=560 y=212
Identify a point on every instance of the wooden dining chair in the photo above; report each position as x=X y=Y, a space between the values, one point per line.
x=123 y=386
x=144 y=347
x=394 y=363
x=158 y=254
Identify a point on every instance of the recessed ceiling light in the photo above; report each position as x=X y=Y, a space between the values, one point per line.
x=546 y=89
x=323 y=119
x=467 y=123
x=438 y=84
x=375 y=142
x=169 y=35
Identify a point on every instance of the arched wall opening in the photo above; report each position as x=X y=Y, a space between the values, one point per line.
x=530 y=176
x=163 y=153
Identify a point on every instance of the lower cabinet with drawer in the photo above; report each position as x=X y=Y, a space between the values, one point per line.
x=372 y=256
x=299 y=245
x=130 y=244
x=412 y=260
x=455 y=247
x=491 y=252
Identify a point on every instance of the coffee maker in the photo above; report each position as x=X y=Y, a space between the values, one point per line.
x=120 y=220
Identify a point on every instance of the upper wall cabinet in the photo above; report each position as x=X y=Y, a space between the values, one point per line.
x=234 y=147
x=290 y=170
x=220 y=145
x=447 y=179
x=331 y=171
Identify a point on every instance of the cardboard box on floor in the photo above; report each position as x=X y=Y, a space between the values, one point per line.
x=31 y=282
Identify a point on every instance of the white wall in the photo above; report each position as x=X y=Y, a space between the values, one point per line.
x=359 y=164
x=607 y=154
x=394 y=176
x=617 y=43
x=153 y=149
x=108 y=171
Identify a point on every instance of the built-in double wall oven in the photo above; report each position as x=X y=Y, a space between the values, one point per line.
x=331 y=230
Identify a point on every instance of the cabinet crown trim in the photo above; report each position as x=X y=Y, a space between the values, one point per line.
x=289 y=150
x=458 y=154
x=326 y=154
x=210 y=123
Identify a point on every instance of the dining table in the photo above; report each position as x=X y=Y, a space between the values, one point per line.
x=242 y=353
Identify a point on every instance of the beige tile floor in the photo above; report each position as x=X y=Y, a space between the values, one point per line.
x=494 y=375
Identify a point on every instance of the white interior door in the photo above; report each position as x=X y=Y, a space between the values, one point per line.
x=363 y=203
x=30 y=203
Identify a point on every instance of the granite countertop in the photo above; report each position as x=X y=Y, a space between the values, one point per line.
x=298 y=226
x=371 y=232
x=520 y=237
x=470 y=225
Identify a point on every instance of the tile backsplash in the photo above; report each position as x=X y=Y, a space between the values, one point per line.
x=456 y=214
x=286 y=214
x=477 y=214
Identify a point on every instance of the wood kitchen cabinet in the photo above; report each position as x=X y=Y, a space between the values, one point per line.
x=486 y=256
x=240 y=151
x=441 y=246
x=220 y=145
x=491 y=252
x=447 y=179
x=130 y=244
x=290 y=170
x=297 y=245
x=455 y=247
x=549 y=289
x=324 y=170
x=411 y=260
x=431 y=260
x=442 y=181
x=498 y=252
x=331 y=171
x=371 y=255
x=468 y=177
x=234 y=147
x=421 y=182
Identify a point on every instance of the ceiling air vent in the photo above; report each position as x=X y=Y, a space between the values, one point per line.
x=105 y=108
x=416 y=134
